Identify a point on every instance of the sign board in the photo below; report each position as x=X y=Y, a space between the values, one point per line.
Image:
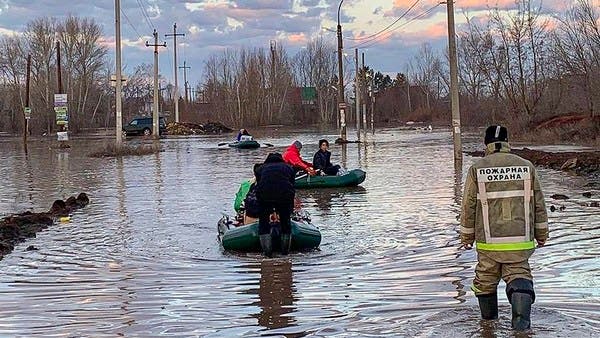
x=60 y=100
x=342 y=105
x=62 y=136
x=27 y=112
x=60 y=108
x=61 y=115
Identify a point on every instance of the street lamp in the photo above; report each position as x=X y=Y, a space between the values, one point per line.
x=341 y=101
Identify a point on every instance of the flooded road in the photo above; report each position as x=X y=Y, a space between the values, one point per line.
x=143 y=258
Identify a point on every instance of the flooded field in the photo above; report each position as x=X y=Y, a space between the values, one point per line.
x=143 y=258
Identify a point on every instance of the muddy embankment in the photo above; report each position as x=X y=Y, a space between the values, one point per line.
x=17 y=228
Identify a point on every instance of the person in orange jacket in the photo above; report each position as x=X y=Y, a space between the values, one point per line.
x=293 y=158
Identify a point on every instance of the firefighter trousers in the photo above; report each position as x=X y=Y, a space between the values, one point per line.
x=488 y=273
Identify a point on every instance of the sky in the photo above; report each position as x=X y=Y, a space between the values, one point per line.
x=211 y=26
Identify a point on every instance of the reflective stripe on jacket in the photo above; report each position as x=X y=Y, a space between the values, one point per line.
x=503 y=207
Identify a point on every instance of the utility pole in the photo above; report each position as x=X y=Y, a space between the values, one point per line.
x=176 y=95
x=341 y=100
x=58 y=71
x=408 y=93
x=363 y=93
x=357 y=94
x=63 y=105
x=271 y=101
x=155 y=129
x=372 y=92
x=27 y=110
x=454 y=83
x=185 y=83
x=118 y=77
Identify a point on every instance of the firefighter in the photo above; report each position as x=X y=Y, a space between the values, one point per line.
x=503 y=211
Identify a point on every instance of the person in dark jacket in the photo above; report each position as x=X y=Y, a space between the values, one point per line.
x=275 y=193
x=322 y=160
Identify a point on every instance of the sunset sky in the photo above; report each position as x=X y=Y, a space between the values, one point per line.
x=214 y=25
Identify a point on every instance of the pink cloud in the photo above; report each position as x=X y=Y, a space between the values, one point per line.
x=297 y=38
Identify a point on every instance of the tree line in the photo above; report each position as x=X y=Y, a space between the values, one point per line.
x=516 y=66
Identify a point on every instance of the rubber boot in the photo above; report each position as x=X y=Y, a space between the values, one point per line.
x=488 y=304
x=266 y=245
x=521 y=311
x=286 y=243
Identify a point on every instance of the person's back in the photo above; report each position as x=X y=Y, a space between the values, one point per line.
x=275 y=179
x=275 y=193
x=503 y=211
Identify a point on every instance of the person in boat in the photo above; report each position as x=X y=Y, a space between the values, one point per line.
x=503 y=211
x=292 y=157
x=246 y=203
x=275 y=194
x=322 y=160
x=243 y=135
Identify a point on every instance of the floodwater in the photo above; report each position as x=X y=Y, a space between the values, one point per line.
x=143 y=258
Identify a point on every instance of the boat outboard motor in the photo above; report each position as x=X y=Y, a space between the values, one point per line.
x=521 y=295
x=488 y=304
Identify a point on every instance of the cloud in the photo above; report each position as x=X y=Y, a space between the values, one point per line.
x=215 y=25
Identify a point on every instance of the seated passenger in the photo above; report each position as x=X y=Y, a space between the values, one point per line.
x=293 y=158
x=243 y=135
x=246 y=203
x=322 y=160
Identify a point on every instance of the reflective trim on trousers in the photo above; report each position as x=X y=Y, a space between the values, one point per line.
x=467 y=231
x=543 y=225
x=516 y=246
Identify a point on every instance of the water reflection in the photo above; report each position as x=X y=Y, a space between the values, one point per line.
x=389 y=255
x=324 y=199
x=276 y=294
x=458 y=175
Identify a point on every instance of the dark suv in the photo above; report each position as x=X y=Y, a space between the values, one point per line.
x=143 y=126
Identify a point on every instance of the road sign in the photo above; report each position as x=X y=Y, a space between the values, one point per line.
x=60 y=108
x=60 y=100
x=61 y=115
x=27 y=112
x=62 y=136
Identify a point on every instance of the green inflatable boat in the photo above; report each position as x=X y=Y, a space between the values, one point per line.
x=349 y=179
x=245 y=238
x=251 y=144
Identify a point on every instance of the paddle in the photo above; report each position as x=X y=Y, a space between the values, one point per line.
x=306 y=174
x=268 y=144
x=222 y=144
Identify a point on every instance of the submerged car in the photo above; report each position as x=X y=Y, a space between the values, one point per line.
x=143 y=126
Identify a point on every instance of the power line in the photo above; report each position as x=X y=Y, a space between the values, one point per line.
x=145 y=15
x=130 y=24
x=390 y=25
x=374 y=41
